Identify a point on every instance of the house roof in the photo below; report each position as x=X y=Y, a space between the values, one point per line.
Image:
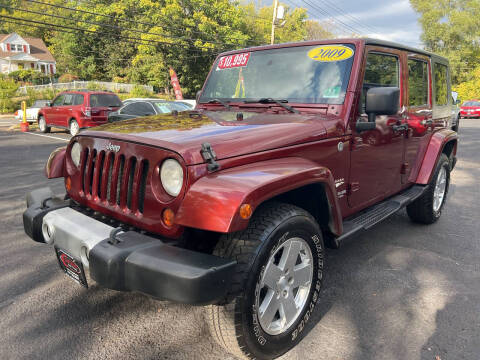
x=38 y=49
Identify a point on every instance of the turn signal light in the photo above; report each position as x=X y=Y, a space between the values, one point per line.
x=68 y=183
x=246 y=211
x=168 y=216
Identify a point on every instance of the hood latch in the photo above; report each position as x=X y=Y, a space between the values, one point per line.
x=209 y=156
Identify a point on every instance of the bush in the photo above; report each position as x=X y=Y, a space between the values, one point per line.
x=140 y=91
x=29 y=76
x=66 y=78
x=8 y=88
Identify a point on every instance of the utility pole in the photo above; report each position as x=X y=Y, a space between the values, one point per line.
x=274 y=19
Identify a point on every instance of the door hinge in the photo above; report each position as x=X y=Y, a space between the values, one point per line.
x=405 y=167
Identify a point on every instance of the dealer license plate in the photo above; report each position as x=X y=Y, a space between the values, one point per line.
x=72 y=267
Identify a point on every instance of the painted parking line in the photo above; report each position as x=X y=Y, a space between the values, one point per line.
x=48 y=136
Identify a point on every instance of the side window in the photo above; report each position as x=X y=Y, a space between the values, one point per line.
x=417 y=82
x=129 y=109
x=68 y=99
x=78 y=99
x=381 y=70
x=58 y=100
x=441 y=87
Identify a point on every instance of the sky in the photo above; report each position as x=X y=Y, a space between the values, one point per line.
x=392 y=20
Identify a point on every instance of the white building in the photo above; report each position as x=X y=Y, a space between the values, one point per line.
x=18 y=53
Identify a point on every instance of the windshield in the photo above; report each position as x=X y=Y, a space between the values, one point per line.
x=167 y=107
x=304 y=74
x=471 y=103
x=107 y=100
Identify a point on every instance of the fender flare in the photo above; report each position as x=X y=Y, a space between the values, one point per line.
x=55 y=165
x=437 y=143
x=212 y=203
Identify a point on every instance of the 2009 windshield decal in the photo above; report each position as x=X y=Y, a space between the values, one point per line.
x=328 y=53
x=233 y=61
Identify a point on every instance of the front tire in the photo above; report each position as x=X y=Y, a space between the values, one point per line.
x=276 y=287
x=42 y=125
x=73 y=127
x=428 y=207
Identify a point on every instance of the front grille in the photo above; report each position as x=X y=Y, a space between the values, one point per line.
x=114 y=178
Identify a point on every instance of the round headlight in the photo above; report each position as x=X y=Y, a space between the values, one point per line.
x=171 y=176
x=76 y=153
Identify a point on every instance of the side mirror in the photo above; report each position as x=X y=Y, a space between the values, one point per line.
x=50 y=104
x=365 y=126
x=458 y=101
x=197 y=96
x=382 y=101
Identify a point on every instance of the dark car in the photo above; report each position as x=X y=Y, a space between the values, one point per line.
x=75 y=110
x=291 y=148
x=148 y=107
x=470 y=109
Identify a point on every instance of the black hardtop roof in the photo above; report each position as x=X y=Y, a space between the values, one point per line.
x=371 y=41
x=367 y=41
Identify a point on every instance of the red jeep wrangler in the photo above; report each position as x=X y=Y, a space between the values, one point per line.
x=291 y=147
x=75 y=110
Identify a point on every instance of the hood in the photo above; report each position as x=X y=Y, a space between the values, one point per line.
x=186 y=132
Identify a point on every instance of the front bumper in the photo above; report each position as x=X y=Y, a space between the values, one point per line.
x=127 y=261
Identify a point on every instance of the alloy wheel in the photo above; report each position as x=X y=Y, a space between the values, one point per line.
x=284 y=286
x=440 y=187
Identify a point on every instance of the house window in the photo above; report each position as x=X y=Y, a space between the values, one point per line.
x=16 y=48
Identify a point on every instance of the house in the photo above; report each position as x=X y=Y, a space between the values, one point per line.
x=17 y=52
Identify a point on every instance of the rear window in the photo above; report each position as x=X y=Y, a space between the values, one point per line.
x=471 y=103
x=40 y=103
x=441 y=87
x=168 y=107
x=107 y=100
x=417 y=82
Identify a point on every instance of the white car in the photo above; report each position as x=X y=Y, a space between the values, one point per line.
x=32 y=111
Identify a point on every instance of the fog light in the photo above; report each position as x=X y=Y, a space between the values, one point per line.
x=168 y=216
x=246 y=211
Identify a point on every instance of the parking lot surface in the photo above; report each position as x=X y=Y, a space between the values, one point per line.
x=400 y=291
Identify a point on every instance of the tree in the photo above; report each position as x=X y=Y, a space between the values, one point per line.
x=452 y=28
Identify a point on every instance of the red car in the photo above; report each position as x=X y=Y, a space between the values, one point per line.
x=75 y=110
x=470 y=109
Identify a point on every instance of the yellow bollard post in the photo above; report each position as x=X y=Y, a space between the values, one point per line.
x=24 y=124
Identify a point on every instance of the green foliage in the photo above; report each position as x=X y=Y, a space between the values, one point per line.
x=66 y=78
x=8 y=88
x=452 y=28
x=139 y=40
x=470 y=89
x=140 y=91
x=29 y=77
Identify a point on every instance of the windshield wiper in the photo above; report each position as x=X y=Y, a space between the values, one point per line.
x=224 y=103
x=274 y=101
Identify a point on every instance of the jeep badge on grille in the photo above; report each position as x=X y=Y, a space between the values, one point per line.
x=114 y=148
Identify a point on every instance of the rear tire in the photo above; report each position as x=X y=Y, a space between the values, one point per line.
x=42 y=125
x=428 y=207
x=73 y=127
x=457 y=125
x=266 y=282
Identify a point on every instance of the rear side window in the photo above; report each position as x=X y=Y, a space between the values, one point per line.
x=78 y=100
x=105 y=100
x=417 y=82
x=441 y=87
x=68 y=100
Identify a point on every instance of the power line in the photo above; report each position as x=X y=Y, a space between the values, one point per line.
x=328 y=14
x=120 y=19
x=139 y=40
x=113 y=26
x=342 y=12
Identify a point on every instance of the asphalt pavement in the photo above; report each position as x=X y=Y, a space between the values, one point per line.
x=399 y=291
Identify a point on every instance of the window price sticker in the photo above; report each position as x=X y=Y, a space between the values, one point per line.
x=233 y=61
